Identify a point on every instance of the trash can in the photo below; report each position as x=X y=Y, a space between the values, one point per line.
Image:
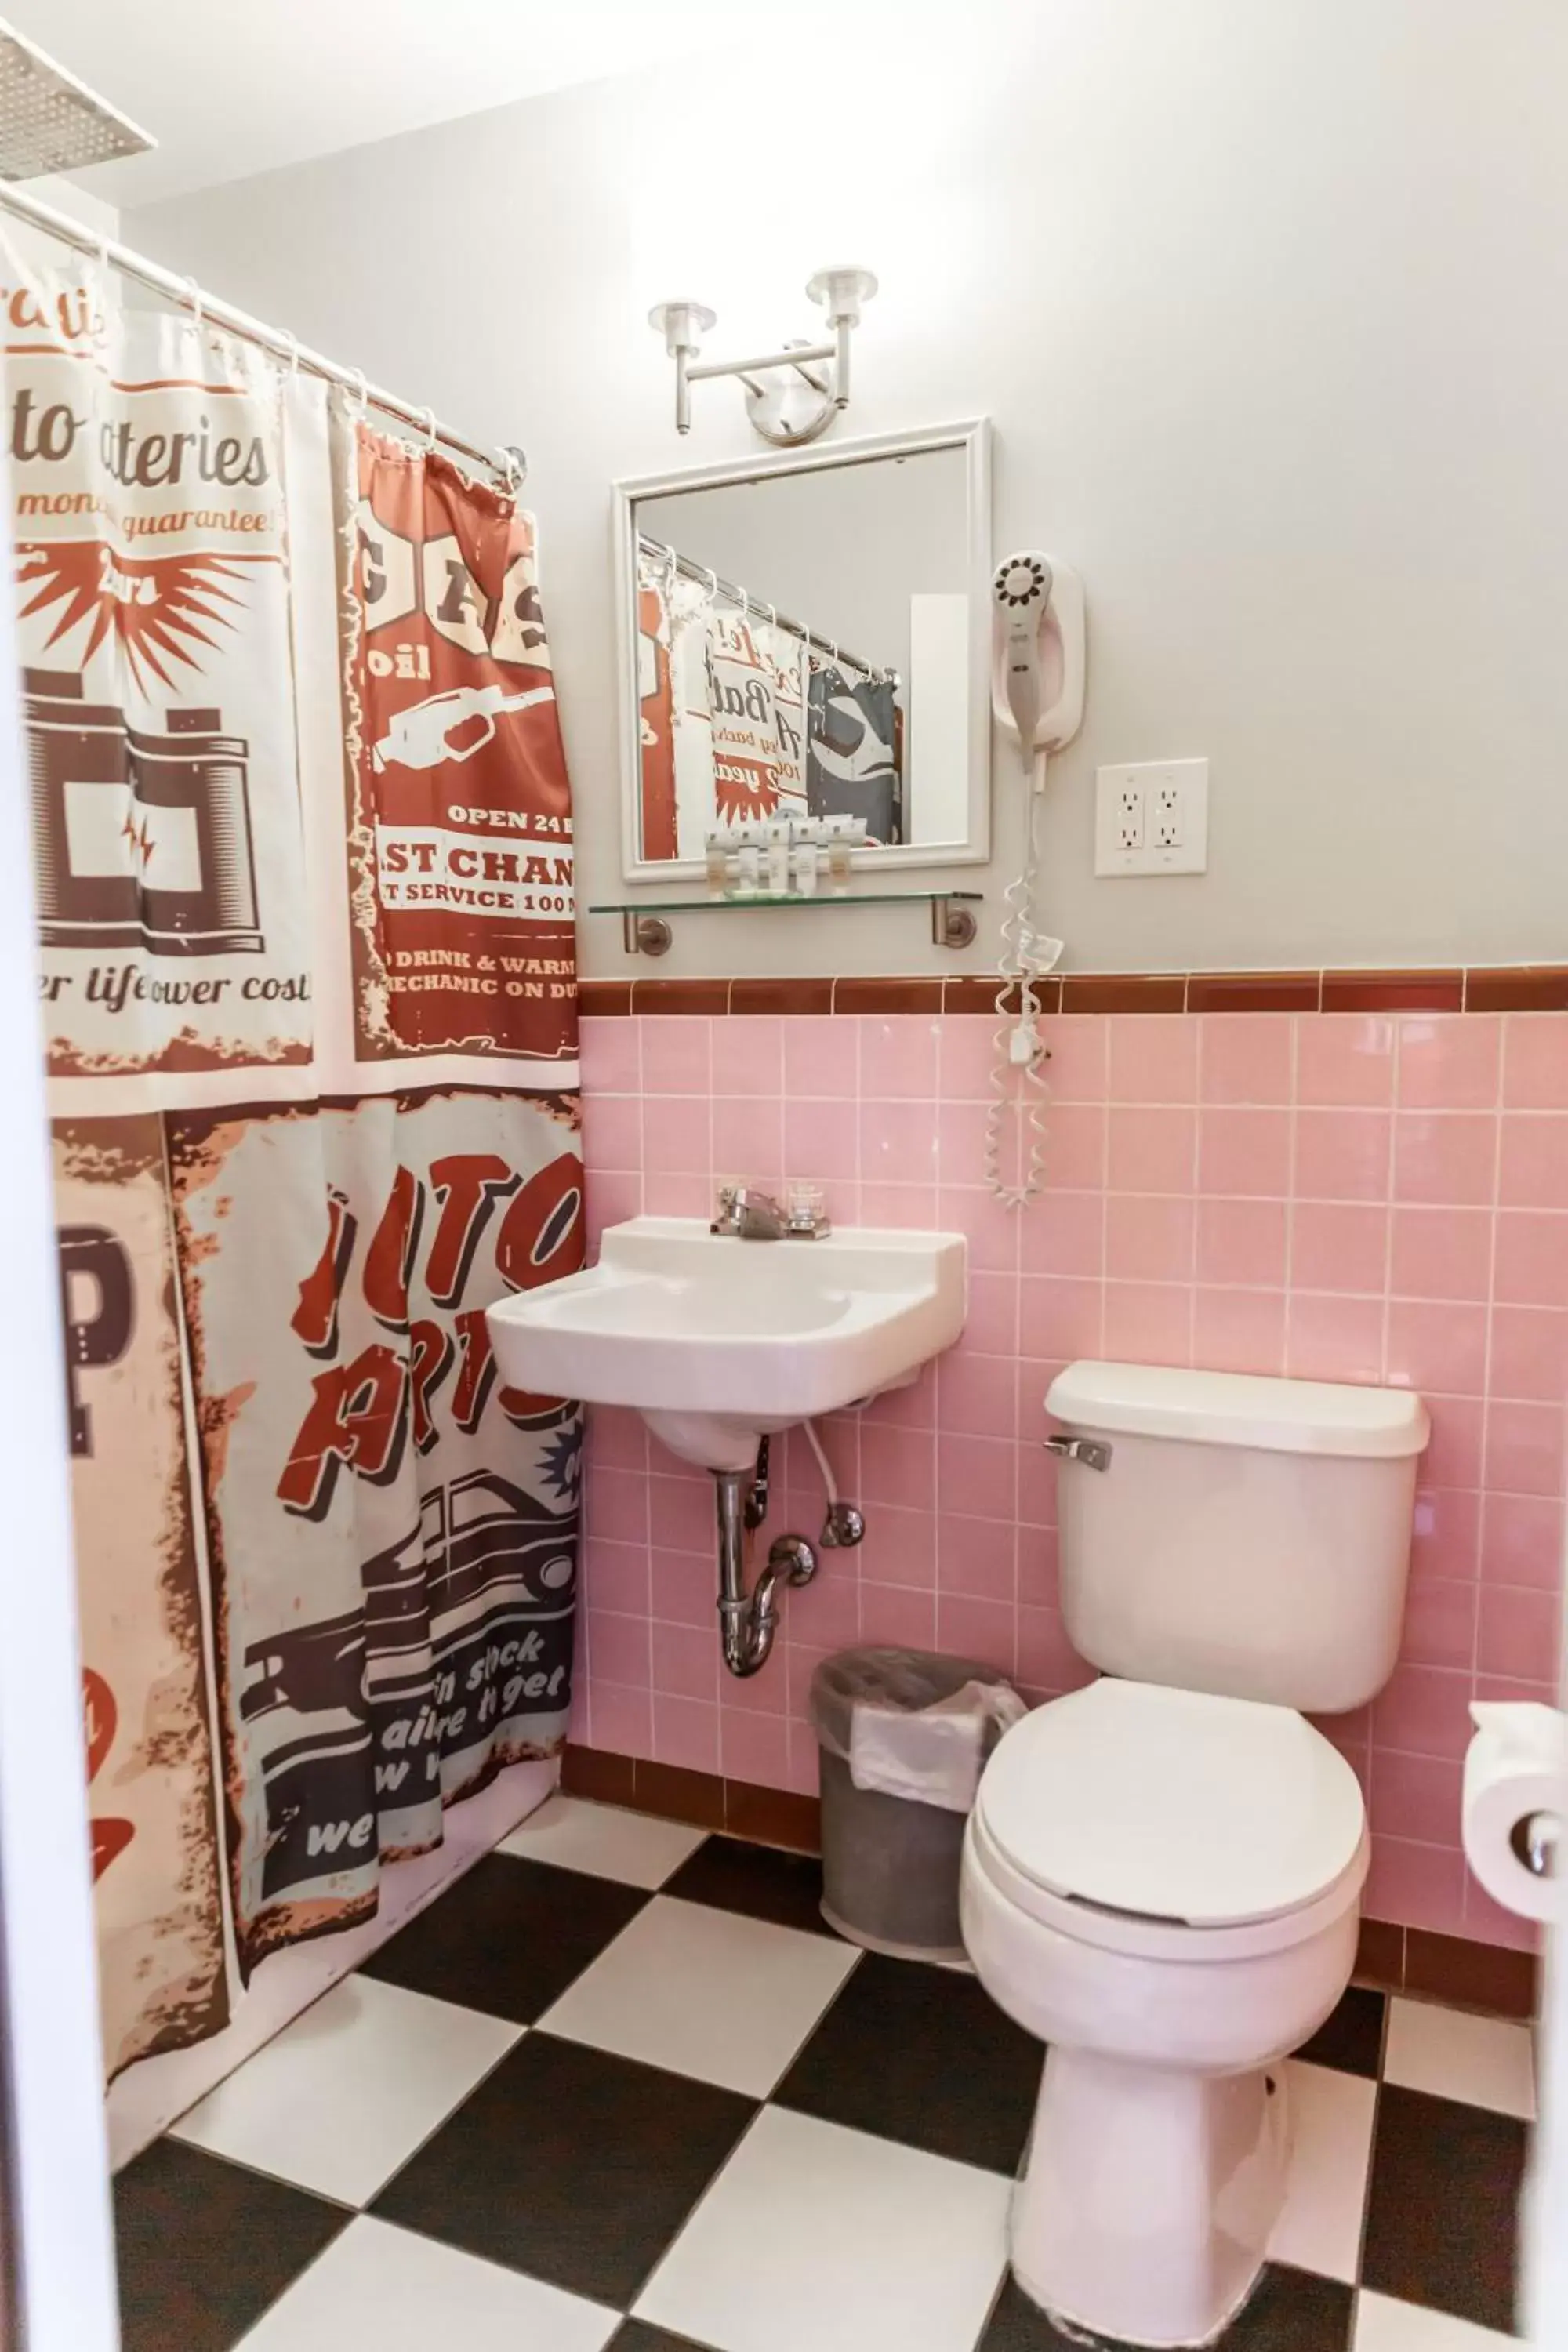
x=902 y=1736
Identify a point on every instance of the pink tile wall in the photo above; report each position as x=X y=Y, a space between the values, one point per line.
x=1340 y=1196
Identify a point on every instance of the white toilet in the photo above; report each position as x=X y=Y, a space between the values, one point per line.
x=1162 y=1872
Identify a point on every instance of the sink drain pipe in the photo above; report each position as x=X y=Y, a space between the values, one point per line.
x=748 y=1621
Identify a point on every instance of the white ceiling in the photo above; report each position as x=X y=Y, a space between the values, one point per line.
x=232 y=86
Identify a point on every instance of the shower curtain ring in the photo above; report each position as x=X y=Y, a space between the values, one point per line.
x=291 y=351
x=194 y=295
x=361 y=391
x=429 y=417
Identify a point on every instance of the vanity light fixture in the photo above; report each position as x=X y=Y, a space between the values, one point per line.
x=788 y=398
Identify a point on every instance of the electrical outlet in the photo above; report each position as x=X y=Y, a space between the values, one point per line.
x=1129 y=817
x=1152 y=818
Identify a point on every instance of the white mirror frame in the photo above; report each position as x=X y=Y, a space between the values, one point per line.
x=972 y=435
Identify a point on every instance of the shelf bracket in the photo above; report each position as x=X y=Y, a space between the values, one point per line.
x=644 y=934
x=952 y=925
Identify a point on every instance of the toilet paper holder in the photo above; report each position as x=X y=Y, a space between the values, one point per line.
x=1515 y=1804
x=1534 y=1842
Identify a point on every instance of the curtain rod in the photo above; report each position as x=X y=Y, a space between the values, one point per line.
x=689 y=569
x=509 y=462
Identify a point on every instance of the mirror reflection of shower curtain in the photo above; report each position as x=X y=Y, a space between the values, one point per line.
x=656 y=713
x=852 y=749
x=745 y=733
x=691 y=718
x=754 y=695
x=738 y=720
x=677 y=808
x=784 y=652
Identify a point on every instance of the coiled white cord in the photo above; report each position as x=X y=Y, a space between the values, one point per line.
x=1019 y=1046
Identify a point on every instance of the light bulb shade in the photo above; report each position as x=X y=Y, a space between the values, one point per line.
x=682 y=324
x=841 y=292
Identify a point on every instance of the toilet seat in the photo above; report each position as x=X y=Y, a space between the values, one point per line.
x=1143 y=1818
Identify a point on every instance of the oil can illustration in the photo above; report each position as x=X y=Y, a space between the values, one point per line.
x=141 y=839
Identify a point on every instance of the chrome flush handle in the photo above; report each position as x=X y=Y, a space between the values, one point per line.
x=1091 y=1451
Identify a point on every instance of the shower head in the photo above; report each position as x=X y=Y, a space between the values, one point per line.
x=50 y=121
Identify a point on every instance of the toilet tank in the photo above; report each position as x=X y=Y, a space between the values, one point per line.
x=1244 y=1536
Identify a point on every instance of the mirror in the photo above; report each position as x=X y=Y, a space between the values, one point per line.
x=806 y=637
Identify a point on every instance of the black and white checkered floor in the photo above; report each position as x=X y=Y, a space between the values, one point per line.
x=621 y=2068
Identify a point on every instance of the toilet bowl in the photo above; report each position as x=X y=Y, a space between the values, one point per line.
x=1157 y=2159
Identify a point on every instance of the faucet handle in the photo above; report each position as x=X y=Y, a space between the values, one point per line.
x=726 y=1218
x=806 y=1217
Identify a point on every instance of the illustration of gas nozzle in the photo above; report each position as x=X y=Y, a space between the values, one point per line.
x=450 y=726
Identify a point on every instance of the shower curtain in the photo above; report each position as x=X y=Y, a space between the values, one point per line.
x=303 y=837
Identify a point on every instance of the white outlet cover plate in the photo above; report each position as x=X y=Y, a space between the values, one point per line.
x=1149 y=782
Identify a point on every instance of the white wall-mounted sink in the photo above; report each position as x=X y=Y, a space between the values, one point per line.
x=717 y=1341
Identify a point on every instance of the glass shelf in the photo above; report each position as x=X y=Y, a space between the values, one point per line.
x=646 y=932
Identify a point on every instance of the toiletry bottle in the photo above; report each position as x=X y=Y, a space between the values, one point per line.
x=716 y=856
x=807 y=864
x=778 y=846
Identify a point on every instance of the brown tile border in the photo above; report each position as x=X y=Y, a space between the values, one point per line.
x=1416 y=1961
x=793 y=996
x=858 y=994
x=1450 y=1968
x=680 y=1794
x=602 y=999
x=690 y=996
x=1470 y=1976
x=1393 y=991
x=1529 y=988
x=1502 y=988
x=765 y=1816
x=1380 y=1954
x=977 y=992
x=596 y=1773
x=1124 y=992
x=1254 y=991
x=772 y=1816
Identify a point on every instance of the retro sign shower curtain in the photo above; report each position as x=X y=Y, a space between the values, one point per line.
x=302 y=840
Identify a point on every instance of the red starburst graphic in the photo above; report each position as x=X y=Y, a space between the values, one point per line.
x=160 y=607
x=139 y=839
x=745 y=789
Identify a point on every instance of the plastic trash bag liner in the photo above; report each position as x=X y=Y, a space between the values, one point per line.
x=911 y=1723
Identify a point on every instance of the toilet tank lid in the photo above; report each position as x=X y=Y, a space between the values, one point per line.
x=1240 y=1409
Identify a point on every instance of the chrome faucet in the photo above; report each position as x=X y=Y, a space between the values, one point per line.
x=752 y=1216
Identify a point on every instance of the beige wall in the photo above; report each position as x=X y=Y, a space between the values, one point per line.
x=1270 y=306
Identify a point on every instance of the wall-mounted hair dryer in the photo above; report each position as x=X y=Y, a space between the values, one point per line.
x=1037 y=664
x=1036 y=692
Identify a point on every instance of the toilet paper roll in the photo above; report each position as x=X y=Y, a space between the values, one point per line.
x=1517 y=1765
